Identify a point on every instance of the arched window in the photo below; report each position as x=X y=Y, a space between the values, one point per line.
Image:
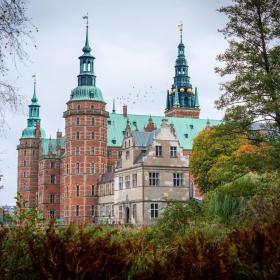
x=77 y=190
x=77 y=168
x=78 y=121
x=88 y=68
x=84 y=66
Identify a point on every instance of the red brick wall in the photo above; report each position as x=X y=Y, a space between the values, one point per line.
x=183 y=113
x=28 y=156
x=85 y=111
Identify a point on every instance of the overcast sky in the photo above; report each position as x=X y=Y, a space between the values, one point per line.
x=135 y=45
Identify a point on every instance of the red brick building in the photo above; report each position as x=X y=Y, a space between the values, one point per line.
x=61 y=174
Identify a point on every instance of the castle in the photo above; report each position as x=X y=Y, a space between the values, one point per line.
x=67 y=176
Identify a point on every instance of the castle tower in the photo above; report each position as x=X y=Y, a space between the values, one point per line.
x=28 y=154
x=182 y=99
x=85 y=143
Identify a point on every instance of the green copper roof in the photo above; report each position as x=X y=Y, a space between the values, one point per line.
x=86 y=93
x=29 y=132
x=51 y=144
x=186 y=128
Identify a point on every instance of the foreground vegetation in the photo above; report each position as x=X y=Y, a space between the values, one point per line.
x=233 y=234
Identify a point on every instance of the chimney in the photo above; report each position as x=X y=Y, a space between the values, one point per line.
x=125 y=111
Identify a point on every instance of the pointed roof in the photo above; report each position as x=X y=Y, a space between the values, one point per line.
x=34 y=99
x=87 y=48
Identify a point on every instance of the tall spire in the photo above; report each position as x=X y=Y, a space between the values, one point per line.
x=86 y=48
x=180 y=25
x=34 y=98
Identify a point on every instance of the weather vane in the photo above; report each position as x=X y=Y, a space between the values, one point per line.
x=86 y=17
x=34 y=78
x=180 y=25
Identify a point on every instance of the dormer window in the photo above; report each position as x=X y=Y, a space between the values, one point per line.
x=127 y=155
x=158 y=151
x=191 y=126
x=173 y=151
x=186 y=135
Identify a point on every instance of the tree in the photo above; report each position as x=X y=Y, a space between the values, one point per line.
x=253 y=60
x=15 y=33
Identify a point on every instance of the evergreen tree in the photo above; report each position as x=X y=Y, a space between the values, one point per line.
x=253 y=60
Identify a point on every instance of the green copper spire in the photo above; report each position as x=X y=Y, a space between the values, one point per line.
x=86 y=48
x=33 y=116
x=181 y=78
x=86 y=89
x=34 y=99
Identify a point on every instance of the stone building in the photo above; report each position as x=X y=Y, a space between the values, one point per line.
x=62 y=174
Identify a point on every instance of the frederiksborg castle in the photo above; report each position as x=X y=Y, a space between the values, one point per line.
x=110 y=167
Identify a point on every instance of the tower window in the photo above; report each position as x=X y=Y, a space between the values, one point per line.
x=53 y=179
x=24 y=152
x=52 y=198
x=77 y=135
x=77 y=151
x=92 y=135
x=84 y=66
x=24 y=163
x=93 y=193
x=92 y=150
x=78 y=121
x=77 y=210
x=77 y=190
x=92 y=168
x=78 y=168
x=79 y=107
x=93 y=121
x=88 y=66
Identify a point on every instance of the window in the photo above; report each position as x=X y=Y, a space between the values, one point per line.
x=153 y=178
x=79 y=107
x=178 y=179
x=51 y=213
x=24 y=152
x=77 y=210
x=107 y=190
x=92 y=210
x=24 y=174
x=101 y=187
x=158 y=151
x=92 y=135
x=120 y=212
x=112 y=210
x=33 y=152
x=92 y=150
x=52 y=198
x=67 y=168
x=24 y=163
x=154 y=210
x=120 y=183
x=77 y=135
x=127 y=155
x=53 y=179
x=77 y=190
x=120 y=154
x=109 y=168
x=78 y=121
x=88 y=68
x=134 y=211
x=109 y=153
x=127 y=182
x=93 y=121
x=92 y=168
x=173 y=151
x=52 y=164
x=78 y=168
x=134 y=180
x=77 y=151
x=93 y=193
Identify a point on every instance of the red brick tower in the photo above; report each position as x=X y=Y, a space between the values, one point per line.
x=28 y=155
x=85 y=144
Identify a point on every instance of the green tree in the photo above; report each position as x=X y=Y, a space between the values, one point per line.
x=253 y=60
x=212 y=162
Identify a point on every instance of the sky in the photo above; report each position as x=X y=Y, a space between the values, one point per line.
x=135 y=45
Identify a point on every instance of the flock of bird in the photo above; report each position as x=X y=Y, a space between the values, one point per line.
x=136 y=96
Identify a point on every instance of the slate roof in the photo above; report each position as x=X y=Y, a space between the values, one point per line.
x=107 y=177
x=45 y=145
x=143 y=138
